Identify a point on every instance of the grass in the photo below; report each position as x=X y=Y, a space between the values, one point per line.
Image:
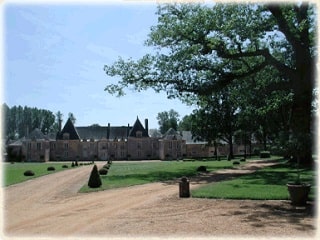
x=266 y=184
x=129 y=174
x=13 y=173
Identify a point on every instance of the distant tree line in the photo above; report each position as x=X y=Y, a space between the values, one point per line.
x=18 y=121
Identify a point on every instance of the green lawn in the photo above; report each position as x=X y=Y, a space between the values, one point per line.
x=268 y=183
x=13 y=173
x=129 y=174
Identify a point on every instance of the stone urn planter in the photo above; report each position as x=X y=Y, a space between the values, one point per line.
x=298 y=193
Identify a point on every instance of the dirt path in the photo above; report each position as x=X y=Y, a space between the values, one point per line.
x=50 y=206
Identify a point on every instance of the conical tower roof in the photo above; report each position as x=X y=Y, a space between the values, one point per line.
x=69 y=128
x=138 y=127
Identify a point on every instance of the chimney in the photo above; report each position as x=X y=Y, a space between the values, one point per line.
x=146 y=125
x=59 y=125
x=128 y=130
x=108 y=131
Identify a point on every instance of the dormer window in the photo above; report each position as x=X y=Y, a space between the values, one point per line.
x=138 y=134
x=66 y=136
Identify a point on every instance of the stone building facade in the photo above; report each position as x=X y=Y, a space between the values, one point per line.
x=111 y=143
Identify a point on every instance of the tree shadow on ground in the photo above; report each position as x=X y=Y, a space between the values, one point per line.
x=276 y=212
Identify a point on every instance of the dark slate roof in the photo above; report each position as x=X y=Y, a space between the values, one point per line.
x=119 y=132
x=98 y=132
x=172 y=134
x=138 y=127
x=95 y=132
x=17 y=142
x=69 y=128
x=36 y=134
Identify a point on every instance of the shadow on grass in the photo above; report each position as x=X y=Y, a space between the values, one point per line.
x=160 y=176
x=279 y=175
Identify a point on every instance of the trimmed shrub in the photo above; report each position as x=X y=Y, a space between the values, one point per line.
x=264 y=154
x=51 y=168
x=242 y=160
x=103 y=171
x=64 y=166
x=202 y=169
x=72 y=164
x=236 y=163
x=107 y=166
x=94 y=180
x=28 y=173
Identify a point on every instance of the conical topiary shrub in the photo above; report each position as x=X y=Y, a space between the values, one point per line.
x=94 y=180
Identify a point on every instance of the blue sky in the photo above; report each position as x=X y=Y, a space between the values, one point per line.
x=54 y=56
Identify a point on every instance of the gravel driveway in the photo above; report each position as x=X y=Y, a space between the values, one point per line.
x=50 y=206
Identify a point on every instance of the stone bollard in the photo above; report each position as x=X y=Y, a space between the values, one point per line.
x=184 y=188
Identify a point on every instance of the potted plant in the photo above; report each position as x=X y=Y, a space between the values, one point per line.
x=298 y=191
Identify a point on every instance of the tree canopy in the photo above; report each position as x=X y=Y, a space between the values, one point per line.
x=20 y=121
x=167 y=120
x=200 y=50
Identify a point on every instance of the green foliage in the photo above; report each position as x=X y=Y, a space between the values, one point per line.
x=267 y=53
x=18 y=120
x=51 y=168
x=167 y=120
x=202 y=169
x=94 y=179
x=185 y=124
x=103 y=171
x=28 y=173
x=264 y=154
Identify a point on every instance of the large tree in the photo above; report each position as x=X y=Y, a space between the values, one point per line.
x=20 y=121
x=167 y=120
x=200 y=50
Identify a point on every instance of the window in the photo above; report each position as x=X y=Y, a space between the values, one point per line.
x=66 y=136
x=66 y=154
x=170 y=144
x=138 y=134
x=39 y=146
x=66 y=146
x=29 y=146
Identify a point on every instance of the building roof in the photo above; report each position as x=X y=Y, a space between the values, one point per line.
x=172 y=134
x=36 y=134
x=138 y=127
x=69 y=128
x=99 y=132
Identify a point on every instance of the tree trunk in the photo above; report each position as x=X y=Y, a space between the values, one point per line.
x=301 y=112
x=230 y=141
